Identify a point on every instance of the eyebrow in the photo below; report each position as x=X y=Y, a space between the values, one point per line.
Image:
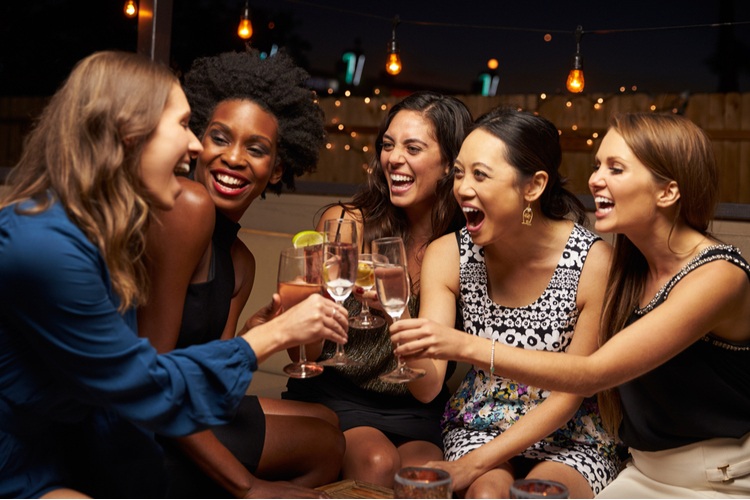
x=475 y=165
x=407 y=141
x=227 y=129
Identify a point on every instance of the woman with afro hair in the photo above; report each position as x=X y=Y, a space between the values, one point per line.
x=260 y=127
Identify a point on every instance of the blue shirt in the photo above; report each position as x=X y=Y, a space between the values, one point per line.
x=67 y=355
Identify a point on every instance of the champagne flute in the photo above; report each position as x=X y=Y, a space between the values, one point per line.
x=366 y=280
x=300 y=275
x=393 y=287
x=339 y=272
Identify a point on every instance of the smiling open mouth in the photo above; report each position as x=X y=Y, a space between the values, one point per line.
x=474 y=217
x=229 y=182
x=401 y=181
x=604 y=204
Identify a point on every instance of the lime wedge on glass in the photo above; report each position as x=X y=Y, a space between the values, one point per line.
x=307 y=238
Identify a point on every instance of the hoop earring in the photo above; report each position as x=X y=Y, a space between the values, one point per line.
x=527 y=215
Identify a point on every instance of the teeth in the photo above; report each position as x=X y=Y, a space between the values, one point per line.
x=229 y=180
x=400 y=178
x=602 y=199
x=182 y=168
x=468 y=210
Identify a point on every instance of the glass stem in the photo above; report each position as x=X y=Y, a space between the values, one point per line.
x=339 y=350
x=399 y=362
x=339 y=347
x=302 y=354
x=365 y=309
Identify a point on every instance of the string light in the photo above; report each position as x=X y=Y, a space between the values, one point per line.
x=245 y=29
x=393 y=65
x=131 y=8
x=575 y=77
x=546 y=33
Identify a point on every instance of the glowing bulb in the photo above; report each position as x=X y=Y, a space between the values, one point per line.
x=575 y=81
x=393 y=66
x=245 y=29
x=492 y=63
x=130 y=9
x=575 y=77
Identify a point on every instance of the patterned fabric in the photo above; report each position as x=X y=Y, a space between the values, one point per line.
x=485 y=405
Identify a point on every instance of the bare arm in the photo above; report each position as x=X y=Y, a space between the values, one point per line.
x=439 y=288
x=685 y=317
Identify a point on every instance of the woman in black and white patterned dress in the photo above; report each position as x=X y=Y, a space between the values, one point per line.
x=527 y=276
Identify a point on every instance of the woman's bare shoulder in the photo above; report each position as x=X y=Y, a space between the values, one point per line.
x=190 y=222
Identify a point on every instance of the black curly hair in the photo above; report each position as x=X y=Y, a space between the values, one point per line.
x=274 y=83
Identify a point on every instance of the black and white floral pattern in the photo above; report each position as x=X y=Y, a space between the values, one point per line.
x=485 y=405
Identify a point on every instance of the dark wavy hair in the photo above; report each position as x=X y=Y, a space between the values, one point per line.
x=274 y=83
x=532 y=143
x=450 y=119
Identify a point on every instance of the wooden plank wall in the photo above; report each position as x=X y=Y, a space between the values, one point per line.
x=352 y=124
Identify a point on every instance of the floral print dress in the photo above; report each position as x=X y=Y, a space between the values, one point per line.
x=485 y=405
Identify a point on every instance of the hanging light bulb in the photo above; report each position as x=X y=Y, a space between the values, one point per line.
x=245 y=29
x=131 y=8
x=393 y=65
x=575 y=77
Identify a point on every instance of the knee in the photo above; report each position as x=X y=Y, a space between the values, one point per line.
x=380 y=460
x=333 y=439
x=483 y=489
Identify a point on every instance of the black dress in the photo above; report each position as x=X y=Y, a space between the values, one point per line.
x=203 y=319
x=360 y=398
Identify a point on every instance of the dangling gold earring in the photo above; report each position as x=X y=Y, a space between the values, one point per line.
x=527 y=215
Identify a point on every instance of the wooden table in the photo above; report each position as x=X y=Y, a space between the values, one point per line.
x=352 y=488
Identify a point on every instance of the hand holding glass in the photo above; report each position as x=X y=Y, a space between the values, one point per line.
x=393 y=287
x=300 y=275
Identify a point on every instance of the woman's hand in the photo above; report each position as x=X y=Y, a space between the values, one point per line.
x=315 y=318
x=370 y=296
x=462 y=473
x=421 y=338
x=265 y=314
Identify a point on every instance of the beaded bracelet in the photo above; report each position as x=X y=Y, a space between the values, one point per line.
x=492 y=358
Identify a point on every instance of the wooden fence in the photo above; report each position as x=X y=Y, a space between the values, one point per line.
x=352 y=124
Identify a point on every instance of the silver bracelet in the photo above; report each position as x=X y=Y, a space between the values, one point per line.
x=492 y=358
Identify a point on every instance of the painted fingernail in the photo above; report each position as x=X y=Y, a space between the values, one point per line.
x=359 y=290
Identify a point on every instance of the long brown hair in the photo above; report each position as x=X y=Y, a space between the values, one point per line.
x=672 y=148
x=450 y=119
x=85 y=152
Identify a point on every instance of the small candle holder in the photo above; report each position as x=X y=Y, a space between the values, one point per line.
x=422 y=482
x=538 y=488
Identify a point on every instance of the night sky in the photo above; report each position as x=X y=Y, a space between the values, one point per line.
x=653 y=45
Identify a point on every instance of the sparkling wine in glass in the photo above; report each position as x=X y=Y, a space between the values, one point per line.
x=393 y=287
x=340 y=256
x=300 y=275
x=365 y=320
